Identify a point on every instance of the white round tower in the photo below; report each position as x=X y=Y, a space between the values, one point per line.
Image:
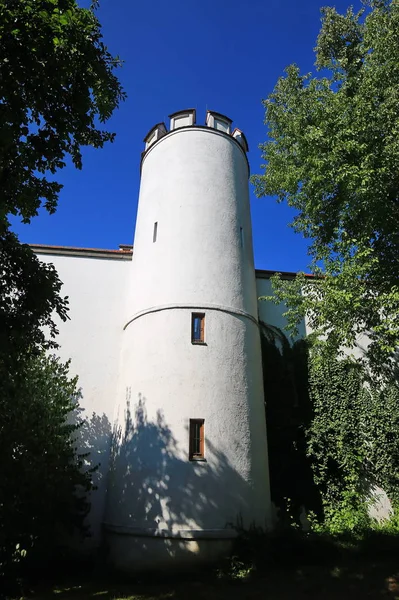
x=189 y=454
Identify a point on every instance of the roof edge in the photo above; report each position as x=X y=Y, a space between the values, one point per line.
x=218 y=114
x=184 y=111
x=125 y=251
x=267 y=274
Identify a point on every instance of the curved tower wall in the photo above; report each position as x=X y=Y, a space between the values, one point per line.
x=194 y=185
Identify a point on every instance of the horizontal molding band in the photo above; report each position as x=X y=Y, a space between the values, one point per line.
x=226 y=309
x=182 y=534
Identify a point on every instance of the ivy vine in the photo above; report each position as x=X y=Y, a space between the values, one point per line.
x=333 y=434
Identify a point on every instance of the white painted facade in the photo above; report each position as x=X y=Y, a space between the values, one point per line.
x=142 y=378
x=96 y=286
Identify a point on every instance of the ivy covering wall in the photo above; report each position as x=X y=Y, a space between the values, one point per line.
x=333 y=434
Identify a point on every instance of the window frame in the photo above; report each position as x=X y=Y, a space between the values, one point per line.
x=221 y=124
x=195 y=340
x=195 y=456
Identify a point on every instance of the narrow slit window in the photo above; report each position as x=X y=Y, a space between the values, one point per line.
x=241 y=237
x=197 y=328
x=197 y=439
x=155 y=232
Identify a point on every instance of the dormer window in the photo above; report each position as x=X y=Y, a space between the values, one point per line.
x=218 y=121
x=240 y=137
x=182 y=118
x=222 y=125
x=155 y=134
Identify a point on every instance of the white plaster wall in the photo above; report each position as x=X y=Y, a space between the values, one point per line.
x=166 y=381
x=195 y=185
x=273 y=314
x=92 y=339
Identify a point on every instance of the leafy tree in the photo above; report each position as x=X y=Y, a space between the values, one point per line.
x=42 y=486
x=57 y=89
x=352 y=439
x=333 y=155
x=331 y=438
x=289 y=414
x=29 y=293
x=57 y=86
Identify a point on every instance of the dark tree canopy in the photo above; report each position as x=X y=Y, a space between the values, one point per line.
x=29 y=294
x=56 y=85
x=44 y=481
x=57 y=88
x=333 y=155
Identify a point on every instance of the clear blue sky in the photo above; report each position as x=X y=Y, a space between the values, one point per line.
x=221 y=55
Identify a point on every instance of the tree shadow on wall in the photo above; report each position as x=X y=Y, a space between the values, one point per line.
x=289 y=413
x=93 y=441
x=156 y=495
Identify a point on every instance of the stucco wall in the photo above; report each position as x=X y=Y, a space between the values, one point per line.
x=195 y=186
x=129 y=337
x=91 y=338
x=166 y=381
x=191 y=181
x=129 y=340
x=270 y=313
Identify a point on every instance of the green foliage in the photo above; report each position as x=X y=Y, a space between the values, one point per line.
x=236 y=569
x=381 y=420
x=337 y=434
x=57 y=84
x=57 y=89
x=288 y=416
x=29 y=294
x=332 y=154
x=349 y=517
x=332 y=434
x=353 y=436
x=43 y=484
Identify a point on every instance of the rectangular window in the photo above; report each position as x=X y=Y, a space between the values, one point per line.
x=197 y=439
x=181 y=121
x=241 y=237
x=154 y=235
x=222 y=125
x=197 y=328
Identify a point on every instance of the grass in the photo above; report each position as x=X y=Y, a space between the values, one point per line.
x=279 y=567
x=374 y=580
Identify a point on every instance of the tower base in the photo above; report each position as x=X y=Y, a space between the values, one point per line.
x=133 y=550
